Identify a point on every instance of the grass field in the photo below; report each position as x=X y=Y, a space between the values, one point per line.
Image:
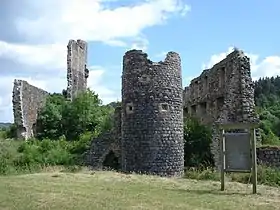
x=110 y=190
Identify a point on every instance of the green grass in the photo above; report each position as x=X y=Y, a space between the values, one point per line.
x=110 y=190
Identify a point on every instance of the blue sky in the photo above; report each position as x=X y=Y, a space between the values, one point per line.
x=33 y=44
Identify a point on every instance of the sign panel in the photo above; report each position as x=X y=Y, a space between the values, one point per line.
x=238 y=152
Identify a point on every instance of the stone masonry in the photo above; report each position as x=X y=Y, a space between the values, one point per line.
x=106 y=143
x=27 y=100
x=269 y=156
x=222 y=94
x=77 y=72
x=152 y=115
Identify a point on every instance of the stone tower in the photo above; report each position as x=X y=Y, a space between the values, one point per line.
x=77 y=72
x=152 y=115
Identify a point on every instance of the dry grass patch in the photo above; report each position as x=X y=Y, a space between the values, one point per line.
x=110 y=190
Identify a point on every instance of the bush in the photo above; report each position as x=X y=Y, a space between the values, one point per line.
x=197 y=139
x=33 y=155
x=10 y=132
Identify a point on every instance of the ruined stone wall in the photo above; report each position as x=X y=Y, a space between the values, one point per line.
x=106 y=143
x=269 y=156
x=77 y=72
x=152 y=115
x=222 y=94
x=27 y=100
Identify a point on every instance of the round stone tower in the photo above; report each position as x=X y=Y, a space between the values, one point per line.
x=152 y=115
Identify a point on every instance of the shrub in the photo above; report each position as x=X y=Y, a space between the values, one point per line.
x=197 y=139
x=33 y=155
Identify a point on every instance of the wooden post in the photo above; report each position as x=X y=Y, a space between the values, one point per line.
x=222 y=139
x=254 y=160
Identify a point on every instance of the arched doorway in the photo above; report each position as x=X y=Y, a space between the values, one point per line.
x=111 y=161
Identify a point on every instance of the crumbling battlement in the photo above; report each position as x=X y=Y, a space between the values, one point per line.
x=27 y=100
x=222 y=94
x=77 y=72
x=152 y=115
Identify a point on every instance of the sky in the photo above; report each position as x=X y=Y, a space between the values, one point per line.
x=34 y=37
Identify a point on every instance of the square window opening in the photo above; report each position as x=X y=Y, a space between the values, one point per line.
x=129 y=108
x=164 y=107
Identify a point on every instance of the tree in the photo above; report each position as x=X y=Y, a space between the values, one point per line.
x=81 y=115
x=49 y=120
x=85 y=113
x=197 y=139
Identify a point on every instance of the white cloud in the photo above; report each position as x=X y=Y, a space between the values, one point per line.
x=91 y=20
x=269 y=66
x=47 y=26
x=35 y=55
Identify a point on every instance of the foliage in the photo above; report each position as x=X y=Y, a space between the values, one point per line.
x=9 y=132
x=197 y=139
x=84 y=113
x=35 y=154
x=267 y=99
x=49 y=121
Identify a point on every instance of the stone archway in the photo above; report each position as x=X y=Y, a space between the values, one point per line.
x=111 y=161
x=104 y=152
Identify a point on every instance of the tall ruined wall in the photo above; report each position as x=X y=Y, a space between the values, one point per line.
x=152 y=115
x=77 y=72
x=27 y=100
x=222 y=94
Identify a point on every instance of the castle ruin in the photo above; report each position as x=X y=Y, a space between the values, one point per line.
x=77 y=72
x=28 y=99
x=151 y=124
x=148 y=132
x=222 y=94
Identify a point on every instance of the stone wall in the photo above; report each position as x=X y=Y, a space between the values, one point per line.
x=222 y=94
x=106 y=143
x=152 y=115
x=27 y=100
x=269 y=156
x=77 y=72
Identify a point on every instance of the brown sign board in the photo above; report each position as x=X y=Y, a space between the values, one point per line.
x=238 y=152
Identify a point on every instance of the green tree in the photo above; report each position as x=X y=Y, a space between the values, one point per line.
x=49 y=121
x=197 y=139
x=85 y=113
x=81 y=115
